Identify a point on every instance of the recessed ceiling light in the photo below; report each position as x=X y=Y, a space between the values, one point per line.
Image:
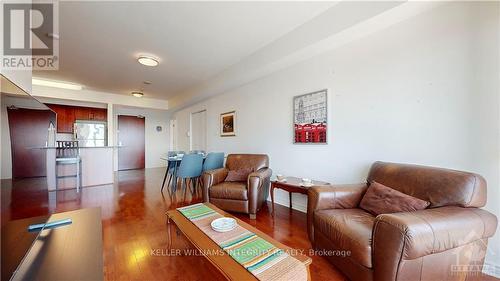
x=56 y=84
x=148 y=61
x=137 y=94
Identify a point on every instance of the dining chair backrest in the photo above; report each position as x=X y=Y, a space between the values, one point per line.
x=214 y=160
x=191 y=166
x=174 y=153
x=197 y=152
x=67 y=149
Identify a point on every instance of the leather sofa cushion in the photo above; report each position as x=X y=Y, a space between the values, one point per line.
x=242 y=161
x=441 y=187
x=380 y=199
x=433 y=231
x=348 y=230
x=229 y=190
x=239 y=175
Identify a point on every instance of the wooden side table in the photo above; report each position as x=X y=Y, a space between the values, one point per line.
x=292 y=185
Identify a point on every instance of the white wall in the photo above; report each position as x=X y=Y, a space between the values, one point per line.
x=423 y=91
x=157 y=143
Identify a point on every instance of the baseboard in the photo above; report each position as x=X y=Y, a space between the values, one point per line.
x=296 y=206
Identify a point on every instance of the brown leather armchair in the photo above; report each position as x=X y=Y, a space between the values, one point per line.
x=431 y=244
x=244 y=197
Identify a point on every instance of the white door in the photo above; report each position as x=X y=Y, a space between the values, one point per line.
x=199 y=130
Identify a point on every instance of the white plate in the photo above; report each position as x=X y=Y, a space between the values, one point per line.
x=223 y=224
x=307 y=184
x=224 y=230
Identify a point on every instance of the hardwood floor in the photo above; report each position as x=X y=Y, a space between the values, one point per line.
x=133 y=220
x=134 y=225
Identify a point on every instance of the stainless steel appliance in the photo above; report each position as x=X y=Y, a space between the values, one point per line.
x=90 y=133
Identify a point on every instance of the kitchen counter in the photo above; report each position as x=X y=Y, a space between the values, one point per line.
x=96 y=167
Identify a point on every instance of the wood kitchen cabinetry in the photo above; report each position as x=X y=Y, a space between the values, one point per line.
x=82 y=113
x=67 y=115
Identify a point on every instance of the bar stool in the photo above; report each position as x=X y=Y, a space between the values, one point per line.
x=68 y=153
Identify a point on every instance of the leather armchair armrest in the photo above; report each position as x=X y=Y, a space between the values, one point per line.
x=256 y=181
x=324 y=197
x=407 y=236
x=211 y=178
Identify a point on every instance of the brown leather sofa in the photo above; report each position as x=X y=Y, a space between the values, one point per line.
x=244 y=197
x=420 y=245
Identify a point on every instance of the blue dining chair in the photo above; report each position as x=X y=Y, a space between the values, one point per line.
x=190 y=168
x=171 y=167
x=214 y=160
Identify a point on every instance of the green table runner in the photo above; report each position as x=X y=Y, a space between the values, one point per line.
x=261 y=258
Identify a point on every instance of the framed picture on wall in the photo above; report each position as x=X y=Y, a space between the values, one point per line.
x=228 y=124
x=310 y=118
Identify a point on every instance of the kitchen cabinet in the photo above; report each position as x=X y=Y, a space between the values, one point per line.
x=67 y=115
x=98 y=114
x=82 y=113
x=90 y=113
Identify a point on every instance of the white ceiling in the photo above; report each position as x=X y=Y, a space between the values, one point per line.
x=99 y=41
x=342 y=23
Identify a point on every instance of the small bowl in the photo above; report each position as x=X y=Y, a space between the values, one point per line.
x=223 y=224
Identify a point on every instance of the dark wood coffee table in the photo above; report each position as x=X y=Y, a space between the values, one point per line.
x=292 y=185
x=70 y=252
x=228 y=268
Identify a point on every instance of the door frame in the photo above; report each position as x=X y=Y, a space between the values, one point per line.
x=191 y=128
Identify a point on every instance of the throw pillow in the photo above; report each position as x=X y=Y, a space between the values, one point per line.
x=380 y=199
x=238 y=175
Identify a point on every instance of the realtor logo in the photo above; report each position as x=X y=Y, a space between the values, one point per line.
x=28 y=36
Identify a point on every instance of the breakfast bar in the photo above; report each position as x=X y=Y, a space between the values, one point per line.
x=96 y=168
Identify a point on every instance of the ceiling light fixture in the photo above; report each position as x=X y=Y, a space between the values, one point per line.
x=148 y=61
x=137 y=94
x=56 y=84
